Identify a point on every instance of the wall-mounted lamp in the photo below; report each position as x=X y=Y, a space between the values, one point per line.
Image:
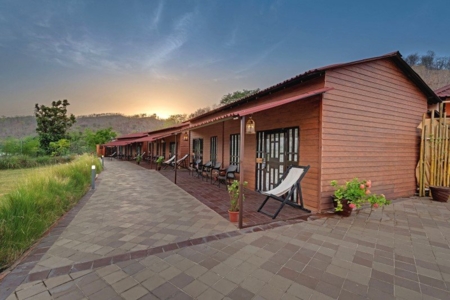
x=163 y=141
x=185 y=136
x=250 y=126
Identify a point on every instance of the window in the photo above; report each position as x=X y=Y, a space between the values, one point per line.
x=197 y=148
x=172 y=149
x=235 y=140
x=138 y=149
x=213 y=149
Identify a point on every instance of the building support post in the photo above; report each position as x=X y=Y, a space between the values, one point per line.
x=241 y=172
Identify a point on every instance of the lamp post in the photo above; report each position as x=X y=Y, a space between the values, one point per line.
x=93 y=177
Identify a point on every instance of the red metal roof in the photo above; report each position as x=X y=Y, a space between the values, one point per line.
x=211 y=121
x=132 y=135
x=117 y=143
x=149 y=138
x=258 y=108
x=443 y=92
x=314 y=73
x=166 y=134
x=177 y=126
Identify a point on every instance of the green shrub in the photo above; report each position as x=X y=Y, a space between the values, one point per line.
x=24 y=161
x=43 y=197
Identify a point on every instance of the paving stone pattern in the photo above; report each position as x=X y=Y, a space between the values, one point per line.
x=132 y=209
x=400 y=252
x=209 y=193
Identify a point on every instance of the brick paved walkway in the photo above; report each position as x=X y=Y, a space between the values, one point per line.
x=218 y=200
x=400 y=252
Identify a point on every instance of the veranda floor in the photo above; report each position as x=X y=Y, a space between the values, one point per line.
x=217 y=198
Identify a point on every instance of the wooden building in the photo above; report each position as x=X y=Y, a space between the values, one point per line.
x=348 y=120
x=444 y=94
x=163 y=142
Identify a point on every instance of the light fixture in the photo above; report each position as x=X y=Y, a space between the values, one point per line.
x=163 y=141
x=185 y=136
x=250 y=126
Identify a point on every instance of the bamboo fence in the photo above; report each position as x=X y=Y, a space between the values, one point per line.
x=434 y=163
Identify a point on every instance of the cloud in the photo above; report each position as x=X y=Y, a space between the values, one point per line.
x=200 y=63
x=257 y=59
x=156 y=16
x=164 y=50
x=70 y=51
x=160 y=75
x=232 y=40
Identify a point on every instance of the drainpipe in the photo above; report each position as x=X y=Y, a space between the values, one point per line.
x=241 y=171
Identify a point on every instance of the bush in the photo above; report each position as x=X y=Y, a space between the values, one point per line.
x=24 y=161
x=38 y=202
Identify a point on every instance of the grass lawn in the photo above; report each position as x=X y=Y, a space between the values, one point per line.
x=10 y=178
x=31 y=200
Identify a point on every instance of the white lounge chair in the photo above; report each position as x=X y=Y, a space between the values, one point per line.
x=289 y=183
x=111 y=156
x=181 y=162
x=168 y=162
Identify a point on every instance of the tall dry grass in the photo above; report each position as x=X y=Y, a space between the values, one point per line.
x=38 y=201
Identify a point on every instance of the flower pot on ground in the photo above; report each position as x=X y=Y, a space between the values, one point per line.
x=138 y=159
x=233 y=191
x=346 y=210
x=440 y=193
x=354 y=194
x=233 y=216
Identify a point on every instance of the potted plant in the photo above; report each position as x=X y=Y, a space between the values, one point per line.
x=159 y=162
x=138 y=158
x=233 y=191
x=354 y=194
x=440 y=193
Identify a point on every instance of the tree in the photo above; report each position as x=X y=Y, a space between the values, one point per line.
x=232 y=97
x=199 y=112
x=11 y=146
x=427 y=60
x=26 y=146
x=175 y=119
x=412 y=59
x=78 y=143
x=52 y=123
x=98 y=137
x=60 y=147
x=29 y=146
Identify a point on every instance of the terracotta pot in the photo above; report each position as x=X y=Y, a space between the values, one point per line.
x=440 y=193
x=346 y=210
x=233 y=215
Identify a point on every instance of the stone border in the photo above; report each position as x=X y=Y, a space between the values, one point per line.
x=105 y=261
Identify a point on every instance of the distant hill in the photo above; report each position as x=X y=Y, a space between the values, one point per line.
x=26 y=125
x=22 y=126
x=434 y=78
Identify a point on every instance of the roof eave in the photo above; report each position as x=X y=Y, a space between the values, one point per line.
x=272 y=89
x=432 y=97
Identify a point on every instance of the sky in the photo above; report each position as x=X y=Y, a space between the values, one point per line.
x=176 y=56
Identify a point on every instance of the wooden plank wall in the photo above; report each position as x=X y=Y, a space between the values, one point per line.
x=304 y=114
x=369 y=129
